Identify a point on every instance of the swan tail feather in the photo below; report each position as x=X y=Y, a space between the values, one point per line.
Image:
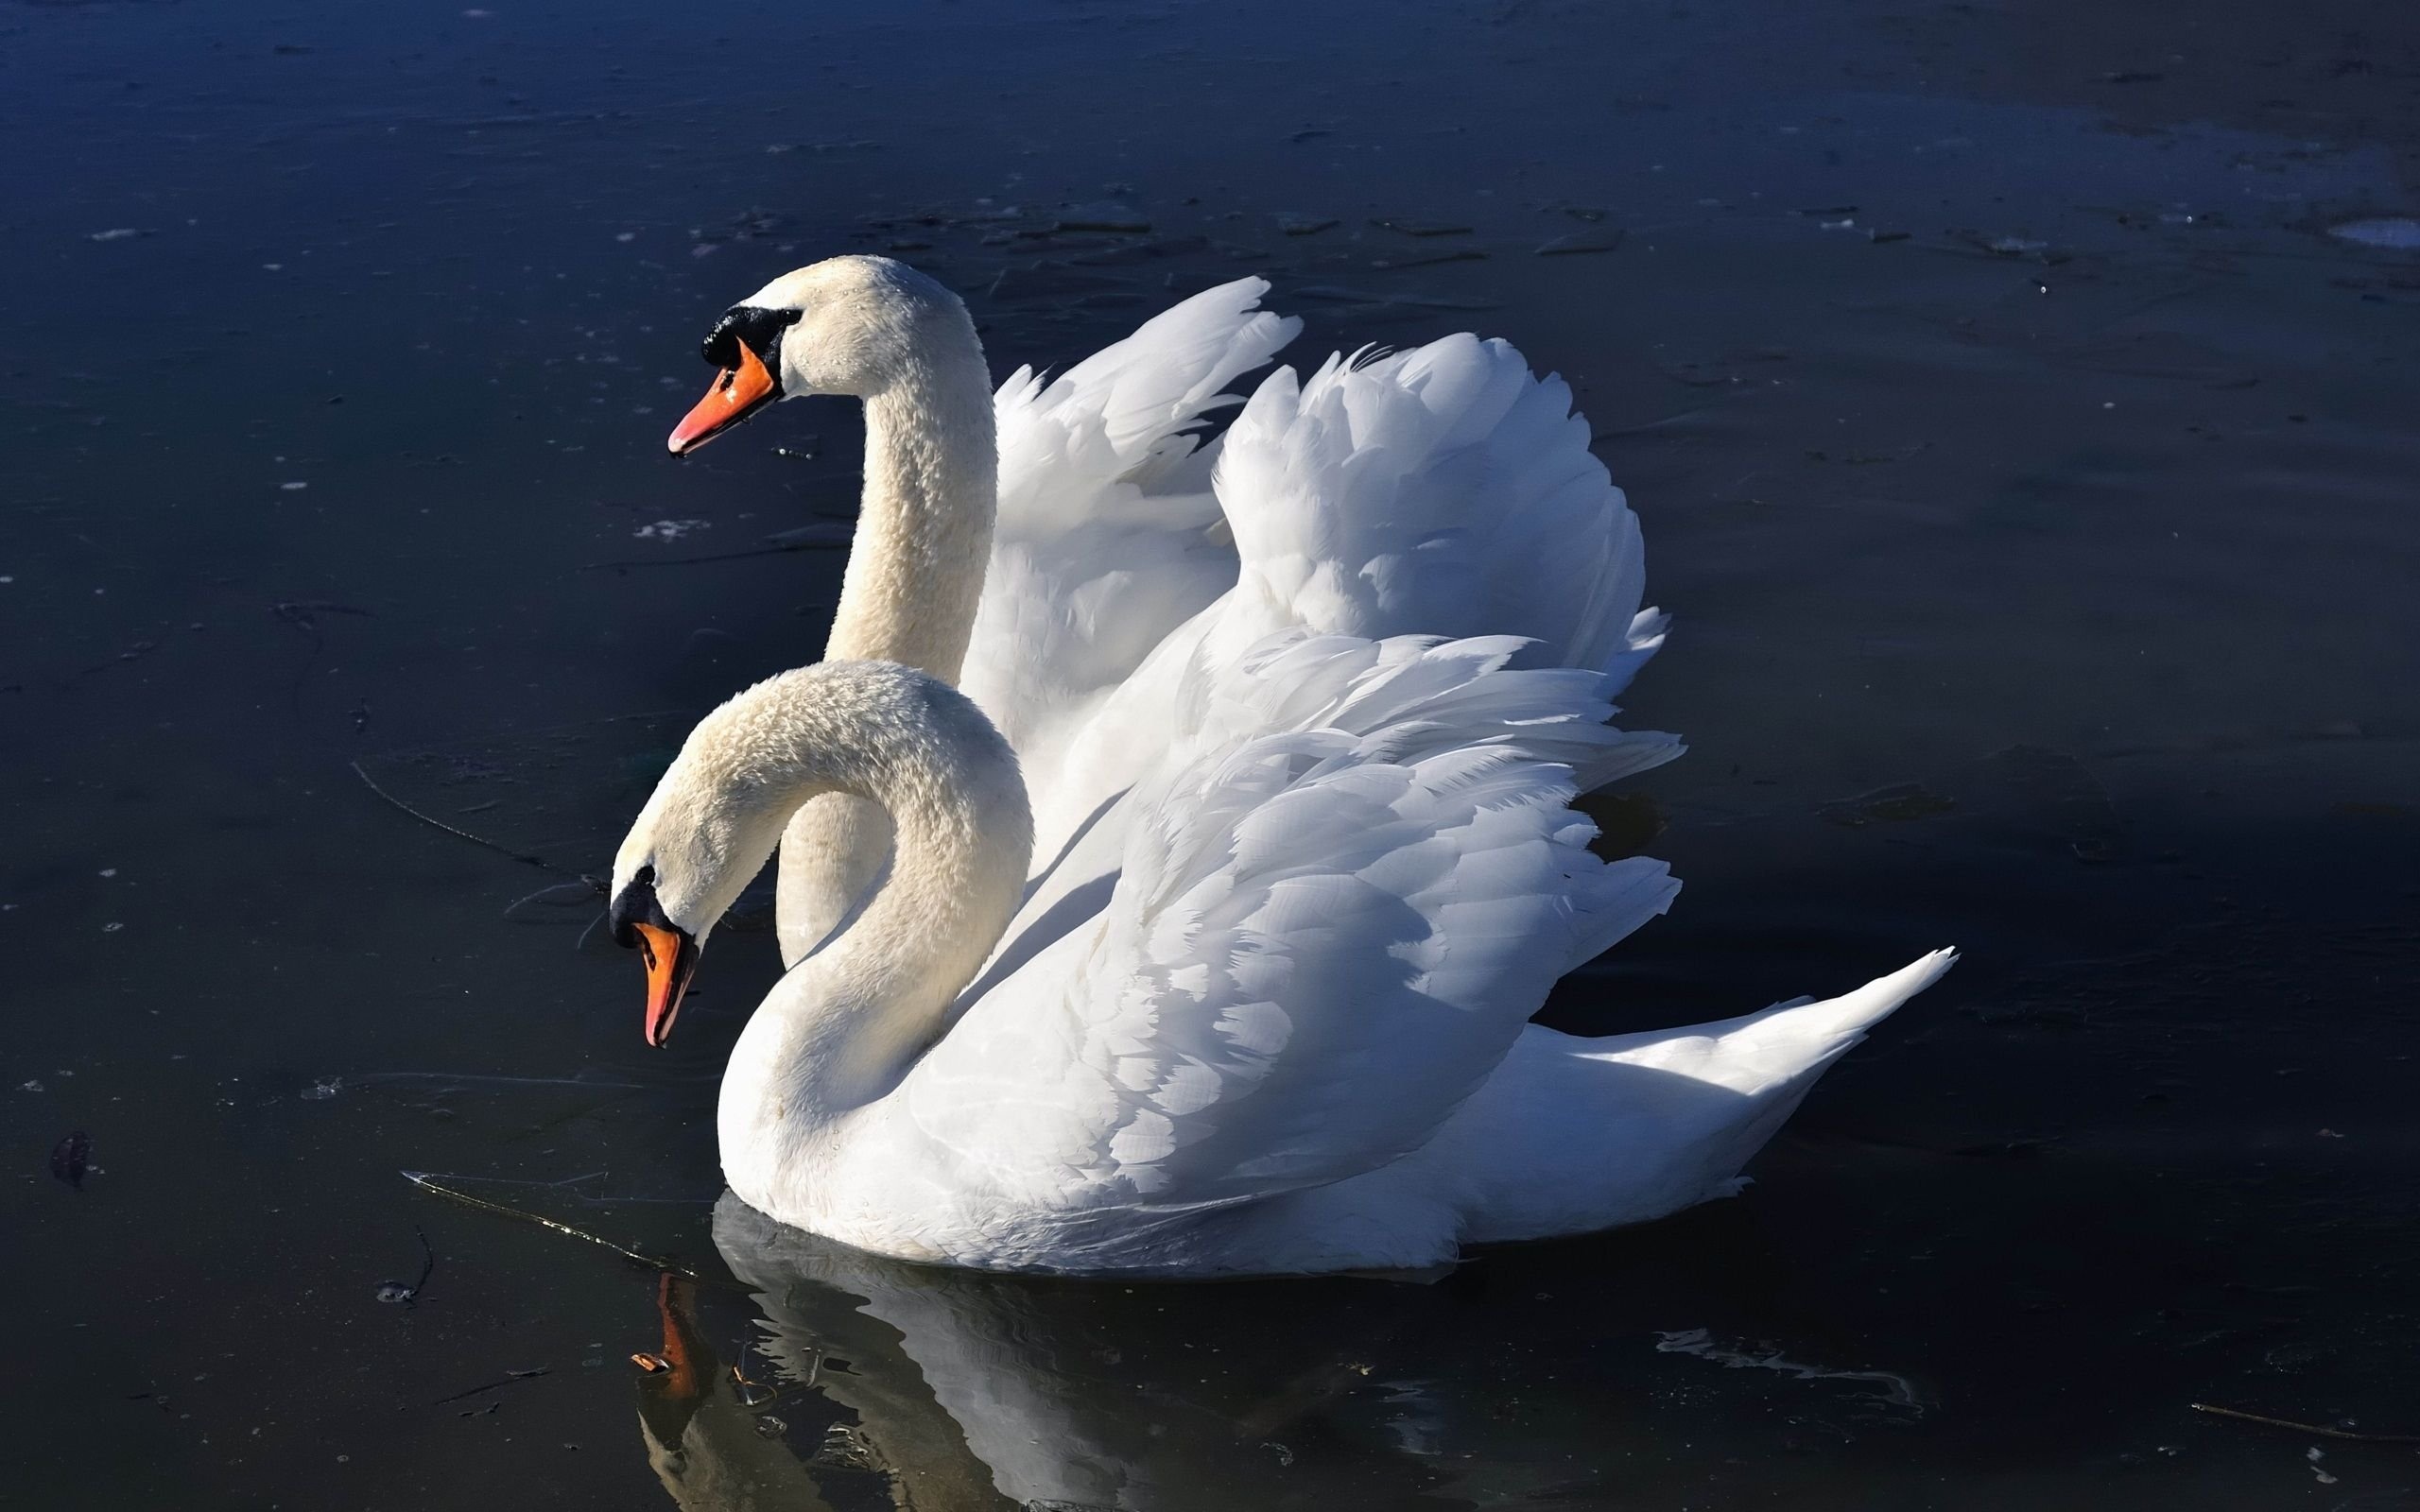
x=1573 y=1134
x=1787 y=1044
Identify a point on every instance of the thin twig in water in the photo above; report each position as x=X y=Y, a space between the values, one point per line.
x=422 y=1180
x=592 y=888
x=509 y=1378
x=522 y=856
x=409 y=1296
x=2321 y=1430
x=427 y=1265
x=589 y=888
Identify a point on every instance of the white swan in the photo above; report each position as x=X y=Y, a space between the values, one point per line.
x=1309 y=872
x=1290 y=1033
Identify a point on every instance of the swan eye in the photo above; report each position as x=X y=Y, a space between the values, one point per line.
x=634 y=905
x=751 y=325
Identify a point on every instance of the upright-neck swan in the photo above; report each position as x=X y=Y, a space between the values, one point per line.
x=1304 y=869
x=873 y=329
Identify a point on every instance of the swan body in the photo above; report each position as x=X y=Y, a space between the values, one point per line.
x=1292 y=1031
x=1216 y=904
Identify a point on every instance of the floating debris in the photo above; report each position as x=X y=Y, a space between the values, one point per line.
x=426 y=1182
x=1292 y=224
x=668 y=529
x=2399 y=234
x=303 y=614
x=1898 y=1390
x=71 y=1158
x=654 y=1364
x=396 y=1292
x=509 y=1378
x=1579 y=242
x=2003 y=244
x=2321 y=1430
x=1459 y=254
x=1897 y=803
x=845 y=1447
x=1422 y=227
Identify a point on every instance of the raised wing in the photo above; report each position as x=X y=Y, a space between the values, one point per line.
x=1108 y=536
x=1444 y=490
x=1440 y=491
x=1343 y=895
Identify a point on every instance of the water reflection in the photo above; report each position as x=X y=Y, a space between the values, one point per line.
x=976 y=1391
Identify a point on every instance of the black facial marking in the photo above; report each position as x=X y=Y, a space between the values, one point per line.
x=759 y=327
x=636 y=905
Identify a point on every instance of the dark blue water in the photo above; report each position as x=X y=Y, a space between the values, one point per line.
x=2029 y=469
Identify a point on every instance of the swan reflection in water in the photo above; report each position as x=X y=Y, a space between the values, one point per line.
x=978 y=1391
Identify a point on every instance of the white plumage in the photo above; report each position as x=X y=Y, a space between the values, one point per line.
x=1300 y=714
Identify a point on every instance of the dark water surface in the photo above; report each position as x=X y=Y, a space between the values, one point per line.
x=2028 y=465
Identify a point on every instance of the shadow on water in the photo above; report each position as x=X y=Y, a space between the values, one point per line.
x=2027 y=463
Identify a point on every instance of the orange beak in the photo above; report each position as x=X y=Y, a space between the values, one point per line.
x=738 y=394
x=670 y=959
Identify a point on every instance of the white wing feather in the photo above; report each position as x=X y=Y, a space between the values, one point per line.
x=1342 y=898
x=1108 y=535
x=1443 y=491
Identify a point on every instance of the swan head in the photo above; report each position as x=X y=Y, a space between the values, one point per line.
x=709 y=827
x=848 y=325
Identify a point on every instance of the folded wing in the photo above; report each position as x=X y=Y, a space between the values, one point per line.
x=1342 y=893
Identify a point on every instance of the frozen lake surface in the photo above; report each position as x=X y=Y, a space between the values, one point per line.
x=2019 y=403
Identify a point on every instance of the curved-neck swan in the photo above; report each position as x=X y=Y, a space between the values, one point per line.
x=1290 y=1033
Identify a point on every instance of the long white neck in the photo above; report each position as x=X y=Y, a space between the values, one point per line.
x=846 y=1024
x=923 y=535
